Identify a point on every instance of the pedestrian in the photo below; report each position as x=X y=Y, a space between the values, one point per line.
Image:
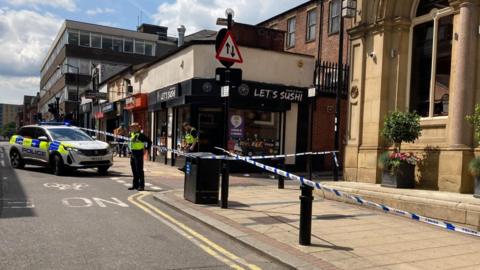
x=137 y=148
x=119 y=133
x=190 y=139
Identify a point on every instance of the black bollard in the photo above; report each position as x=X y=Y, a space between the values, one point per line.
x=225 y=180
x=281 y=179
x=306 y=200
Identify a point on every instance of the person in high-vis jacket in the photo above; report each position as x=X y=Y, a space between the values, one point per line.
x=137 y=144
x=190 y=138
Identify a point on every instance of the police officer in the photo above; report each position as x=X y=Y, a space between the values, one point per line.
x=137 y=148
x=190 y=138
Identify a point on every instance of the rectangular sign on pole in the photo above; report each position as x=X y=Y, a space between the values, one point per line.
x=225 y=91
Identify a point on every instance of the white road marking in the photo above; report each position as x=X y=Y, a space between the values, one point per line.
x=2 y=155
x=115 y=201
x=114 y=178
x=120 y=181
x=157 y=188
x=2 y=163
x=80 y=202
x=59 y=186
x=127 y=184
x=86 y=202
x=148 y=185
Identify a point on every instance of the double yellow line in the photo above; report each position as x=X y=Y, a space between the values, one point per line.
x=199 y=240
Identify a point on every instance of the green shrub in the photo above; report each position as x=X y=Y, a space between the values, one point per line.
x=474 y=119
x=401 y=127
x=474 y=166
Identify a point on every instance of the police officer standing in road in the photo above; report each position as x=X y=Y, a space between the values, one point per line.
x=137 y=148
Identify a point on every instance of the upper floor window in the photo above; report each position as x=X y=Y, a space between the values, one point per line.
x=96 y=41
x=291 y=24
x=85 y=39
x=431 y=59
x=334 y=18
x=311 y=24
x=73 y=37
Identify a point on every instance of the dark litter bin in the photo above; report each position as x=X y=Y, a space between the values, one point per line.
x=201 y=179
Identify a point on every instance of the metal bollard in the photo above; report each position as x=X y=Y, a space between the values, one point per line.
x=281 y=179
x=306 y=200
x=224 y=189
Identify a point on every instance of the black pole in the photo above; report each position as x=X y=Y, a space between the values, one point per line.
x=306 y=215
x=77 y=109
x=225 y=170
x=281 y=179
x=339 y=89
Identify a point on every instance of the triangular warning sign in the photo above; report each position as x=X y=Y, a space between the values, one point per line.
x=228 y=50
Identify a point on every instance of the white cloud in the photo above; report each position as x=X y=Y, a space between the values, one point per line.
x=23 y=47
x=65 y=4
x=12 y=89
x=198 y=14
x=96 y=11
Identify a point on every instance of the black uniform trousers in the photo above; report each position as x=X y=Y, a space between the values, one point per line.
x=136 y=162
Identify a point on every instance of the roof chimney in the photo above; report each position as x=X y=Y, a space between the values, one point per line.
x=181 y=35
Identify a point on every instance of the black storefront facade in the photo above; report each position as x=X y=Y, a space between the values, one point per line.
x=257 y=115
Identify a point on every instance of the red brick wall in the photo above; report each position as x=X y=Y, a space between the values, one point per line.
x=324 y=115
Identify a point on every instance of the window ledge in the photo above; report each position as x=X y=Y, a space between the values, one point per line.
x=434 y=122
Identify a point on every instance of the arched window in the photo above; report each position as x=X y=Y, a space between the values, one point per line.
x=431 y=52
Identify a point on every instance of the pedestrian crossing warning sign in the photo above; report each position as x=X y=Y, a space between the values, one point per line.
x=228 y=50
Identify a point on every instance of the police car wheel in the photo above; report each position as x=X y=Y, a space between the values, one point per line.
x=57 y=165
x=103 y=170
x=16 y=160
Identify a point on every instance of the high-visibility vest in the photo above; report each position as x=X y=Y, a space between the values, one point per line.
x=189 y=139
x=134 y=143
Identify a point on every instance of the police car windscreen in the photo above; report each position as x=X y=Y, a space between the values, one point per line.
x=69 y=134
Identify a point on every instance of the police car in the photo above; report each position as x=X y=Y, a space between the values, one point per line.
x=59 y=147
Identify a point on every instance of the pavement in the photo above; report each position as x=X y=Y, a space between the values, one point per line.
x=344 y=236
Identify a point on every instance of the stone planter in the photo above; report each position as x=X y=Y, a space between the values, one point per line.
x=476 y=193
x=403 y=177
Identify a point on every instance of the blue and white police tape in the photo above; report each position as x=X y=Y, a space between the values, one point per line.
x=357 y=199
x=293 y=155
x=105 y=133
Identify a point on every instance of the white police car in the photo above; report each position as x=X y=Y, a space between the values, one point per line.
x=58 y=147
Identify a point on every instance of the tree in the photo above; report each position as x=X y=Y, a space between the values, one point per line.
x=8 y=130
x=401 y=127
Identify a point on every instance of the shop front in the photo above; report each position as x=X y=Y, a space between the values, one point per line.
x=109 y=118
x=86 y=115
x=257 y=114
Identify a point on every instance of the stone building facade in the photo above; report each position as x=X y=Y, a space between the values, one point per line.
x=417 y=55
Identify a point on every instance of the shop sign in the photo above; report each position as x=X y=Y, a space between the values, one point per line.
x=167 y=93
x=236 y=126
x=130 y=101
x=95 y=95
x=107 y=107
x=273 y=93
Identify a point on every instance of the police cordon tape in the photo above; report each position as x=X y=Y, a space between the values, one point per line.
x=354 y=198
x=220 y=157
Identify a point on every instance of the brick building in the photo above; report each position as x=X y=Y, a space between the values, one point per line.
x=313 y=28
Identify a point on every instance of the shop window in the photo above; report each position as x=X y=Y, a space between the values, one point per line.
x=431 y=61
x=254 y=132
x=311 y=24
x=85 y=39
x=291 y=23
x=334 y=17
x=183 y=115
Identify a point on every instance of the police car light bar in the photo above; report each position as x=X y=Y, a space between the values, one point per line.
x=53 y=123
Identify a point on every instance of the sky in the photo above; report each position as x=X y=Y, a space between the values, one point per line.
x=28 y=27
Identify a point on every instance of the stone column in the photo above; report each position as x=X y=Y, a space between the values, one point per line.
x=462 y=96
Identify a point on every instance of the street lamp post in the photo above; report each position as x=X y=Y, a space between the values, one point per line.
x=77 y=102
